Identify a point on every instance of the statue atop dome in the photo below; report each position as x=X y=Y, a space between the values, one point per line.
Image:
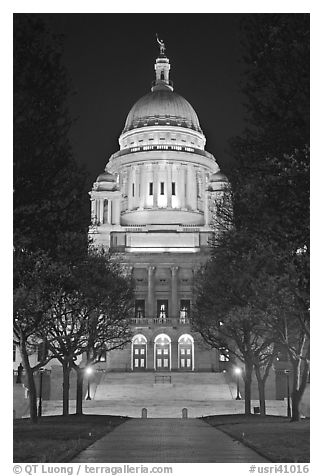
x=161 y=45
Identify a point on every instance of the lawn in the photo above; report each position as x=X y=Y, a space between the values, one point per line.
x=276 y=438
x=57 y=439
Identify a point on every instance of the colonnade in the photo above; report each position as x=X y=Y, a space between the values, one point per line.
x=105 y=210
x=174 y=304
x=189 y=182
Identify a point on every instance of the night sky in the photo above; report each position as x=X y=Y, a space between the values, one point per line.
x=110 y=59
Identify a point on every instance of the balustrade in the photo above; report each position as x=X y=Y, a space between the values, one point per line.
x=158 y=321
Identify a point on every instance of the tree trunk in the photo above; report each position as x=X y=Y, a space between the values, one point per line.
x=262 y=397
x=247 y=388
x=31 y=382
x=79 y=390
x=261 y=390
x=66 y=387
x=296 y=400
x=300 y=376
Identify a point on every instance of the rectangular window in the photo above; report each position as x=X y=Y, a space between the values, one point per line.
x=162 y=309
x=133 y=189
x=140 y=308
x=162 y=188
x=184 y=312
x=14 y=353
x=173 y=188
x=151 y=188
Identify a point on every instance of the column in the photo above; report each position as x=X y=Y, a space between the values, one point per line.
x=169 y=185
x=116 y=211
x=205 y=198
x=93 y=211
x=174 y=297
x=101 y=210
x=129 y=187
x=180 y=186
x=137 y=187
x=150 y=292
x=143 y=187
x=206 y=209
x=185 y=187
x=110 y=212
x=155 y=186
x=192 y=188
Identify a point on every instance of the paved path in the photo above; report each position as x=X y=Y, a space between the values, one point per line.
x=166 y=440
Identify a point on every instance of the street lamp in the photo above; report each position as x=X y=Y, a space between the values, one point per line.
x=88 y=372
x=237 y=371
x=41 y=371
x=289 y=413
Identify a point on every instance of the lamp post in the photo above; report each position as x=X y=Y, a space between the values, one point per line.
x=237 y=371
x=88 y=372
x=289 y=413
x=41 y=371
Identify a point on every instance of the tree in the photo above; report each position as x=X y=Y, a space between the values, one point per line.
x=228 y=312
x=108 y=290
x=271 y=183
x=34 y=276
x=89 y=313
x=49 y=187
x=50 y=217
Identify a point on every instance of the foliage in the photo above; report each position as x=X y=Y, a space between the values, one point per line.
x=49 y=192
x=50 y=219
x=90 y=309
x=257 y=281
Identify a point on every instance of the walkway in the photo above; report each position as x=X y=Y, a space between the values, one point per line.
x=163 y=440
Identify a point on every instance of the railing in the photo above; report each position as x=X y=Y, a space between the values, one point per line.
x=157 y=321
x=148 y=148
x=163 y=379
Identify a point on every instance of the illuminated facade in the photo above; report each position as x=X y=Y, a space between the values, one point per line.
x=153 y=206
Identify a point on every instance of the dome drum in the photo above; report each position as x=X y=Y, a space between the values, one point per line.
x=162 y=217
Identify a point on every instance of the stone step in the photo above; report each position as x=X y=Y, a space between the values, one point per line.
x=130 y=386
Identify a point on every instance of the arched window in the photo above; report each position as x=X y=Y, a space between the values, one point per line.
x=139 y=352
x=162 y=352
x=186 y=352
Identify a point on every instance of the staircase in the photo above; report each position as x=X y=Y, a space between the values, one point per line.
x=127 y=393
x=134 y=387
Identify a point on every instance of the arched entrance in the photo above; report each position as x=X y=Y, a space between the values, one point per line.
x=162 y=353
x=139 y=353
x=186 y=352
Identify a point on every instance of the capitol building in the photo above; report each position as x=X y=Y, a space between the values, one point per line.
x=154 y=207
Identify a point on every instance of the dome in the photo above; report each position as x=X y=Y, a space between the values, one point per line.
x=106 y=177
x=218 y=177
x=162 y=107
